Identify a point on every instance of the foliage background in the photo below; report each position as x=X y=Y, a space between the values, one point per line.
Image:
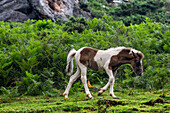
x=133 y=12
x=33 y=54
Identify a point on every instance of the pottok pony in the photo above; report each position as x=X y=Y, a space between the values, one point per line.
x=99 y=60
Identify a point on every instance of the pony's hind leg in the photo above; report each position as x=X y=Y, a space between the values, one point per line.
x=73 y=78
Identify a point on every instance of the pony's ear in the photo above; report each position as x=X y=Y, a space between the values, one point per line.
x=126 y=50
x=140 y=55
x=134 y=55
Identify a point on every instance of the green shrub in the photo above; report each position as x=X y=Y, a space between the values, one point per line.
x=84 y=6
x=75 y=24
x=43 y=24
x=33 y=58
x=133 y=12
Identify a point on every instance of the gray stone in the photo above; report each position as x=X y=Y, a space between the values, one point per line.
x=15 y=10
x=22 y=10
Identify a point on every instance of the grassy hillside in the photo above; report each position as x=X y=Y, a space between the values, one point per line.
x=128 y=102
x=33 y=60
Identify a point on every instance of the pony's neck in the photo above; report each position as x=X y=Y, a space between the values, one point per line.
x=126 y=59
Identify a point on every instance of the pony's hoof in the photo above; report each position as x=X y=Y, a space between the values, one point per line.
x=112 y=95
x=100 y=92
x=89 y=96
x=66 y=98
x=115 y=97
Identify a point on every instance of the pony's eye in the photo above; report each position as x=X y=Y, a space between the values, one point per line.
x=138 y=63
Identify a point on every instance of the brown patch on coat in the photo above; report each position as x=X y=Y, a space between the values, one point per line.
x=87 y=58
x=124 y=54
x=114 y=63
x=122 y=58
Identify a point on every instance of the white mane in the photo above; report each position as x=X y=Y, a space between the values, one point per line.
x=135 y=51
x=116 y=49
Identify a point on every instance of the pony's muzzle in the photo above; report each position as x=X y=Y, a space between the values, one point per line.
x=139 y=73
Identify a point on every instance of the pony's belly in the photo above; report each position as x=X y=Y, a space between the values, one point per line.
x=96 y=68
x=100 y=69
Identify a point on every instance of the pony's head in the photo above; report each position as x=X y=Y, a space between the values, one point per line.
x=136 y=62
x=127 y=56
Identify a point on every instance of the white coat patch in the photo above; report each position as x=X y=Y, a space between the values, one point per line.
x=103 y=56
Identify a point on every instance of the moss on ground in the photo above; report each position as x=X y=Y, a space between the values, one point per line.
x=77 y=102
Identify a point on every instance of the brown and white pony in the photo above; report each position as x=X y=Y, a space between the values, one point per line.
x=99 y=60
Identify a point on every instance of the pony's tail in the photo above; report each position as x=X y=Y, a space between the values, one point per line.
x=69 y=67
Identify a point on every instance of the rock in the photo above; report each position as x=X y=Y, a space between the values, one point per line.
x=15 y=10
x=22 y=10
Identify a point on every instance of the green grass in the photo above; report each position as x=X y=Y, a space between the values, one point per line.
x=129 y=101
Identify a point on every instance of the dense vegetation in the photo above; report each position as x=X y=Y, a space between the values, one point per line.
x=133 y=12
x=33 y=54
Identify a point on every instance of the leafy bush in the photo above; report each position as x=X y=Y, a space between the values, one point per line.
x=27 y=54
x=133 y=12
x=75 y=24
x=33 y=54
x=84 y=6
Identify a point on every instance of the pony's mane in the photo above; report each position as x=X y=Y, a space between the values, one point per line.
x=121 y=48
x=116 y=49
x=135 y=51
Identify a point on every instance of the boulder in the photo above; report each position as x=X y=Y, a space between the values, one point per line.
x=15 y=10
x=22 y=10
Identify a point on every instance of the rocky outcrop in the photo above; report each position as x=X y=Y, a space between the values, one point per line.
x=15 y=10
x=22 y=10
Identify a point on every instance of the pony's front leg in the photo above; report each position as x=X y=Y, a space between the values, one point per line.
x=111 y=88
x=110 y=82
x=104 y=88
x=109 y=73
x=84 y=80
x=112 y=85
